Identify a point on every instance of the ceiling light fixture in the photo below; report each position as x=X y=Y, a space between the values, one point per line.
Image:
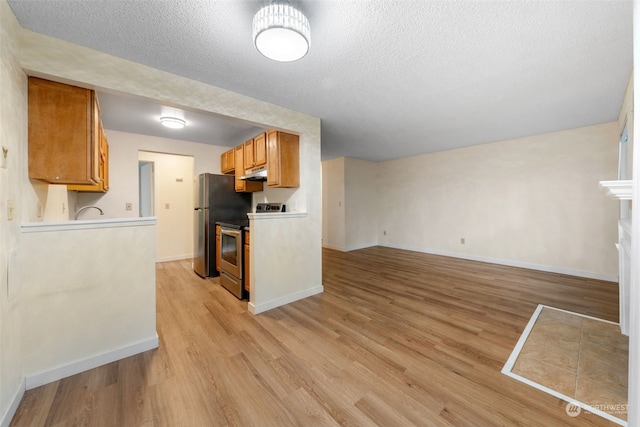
x=281 y=32
x=172 y=122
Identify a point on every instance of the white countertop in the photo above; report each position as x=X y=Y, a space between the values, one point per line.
x=274 y=215
x=35 y=227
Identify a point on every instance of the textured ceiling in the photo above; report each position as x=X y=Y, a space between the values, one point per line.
x=389 y=79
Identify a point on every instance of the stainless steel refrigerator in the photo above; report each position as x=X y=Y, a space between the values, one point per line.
x=215 y=200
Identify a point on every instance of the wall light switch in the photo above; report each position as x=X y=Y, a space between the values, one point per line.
x=9 y=210
x=128 y=206
x=166 y=205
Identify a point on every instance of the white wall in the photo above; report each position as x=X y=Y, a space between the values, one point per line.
x=333 y=204
x=173 y=204
x=349 y=204
x=361 y=203
x=13 y=135
x=533 y=201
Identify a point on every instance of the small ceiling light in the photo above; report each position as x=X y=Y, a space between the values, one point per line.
x=172 y=122
x=281 y=32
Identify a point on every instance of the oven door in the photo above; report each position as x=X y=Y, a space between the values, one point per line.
x=231 y=251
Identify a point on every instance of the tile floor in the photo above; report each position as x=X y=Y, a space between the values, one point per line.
x=579 y=357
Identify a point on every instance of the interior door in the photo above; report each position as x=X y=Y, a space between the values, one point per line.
x=146 y=189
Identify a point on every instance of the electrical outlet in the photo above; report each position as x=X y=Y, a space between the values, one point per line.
x=384 y=233
x=166 y=206
x=462 y=241
x=128 y=206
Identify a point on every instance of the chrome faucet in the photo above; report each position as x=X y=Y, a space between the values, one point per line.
x=88 y=207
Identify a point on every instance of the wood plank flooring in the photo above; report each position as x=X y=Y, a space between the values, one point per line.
x=397 y=338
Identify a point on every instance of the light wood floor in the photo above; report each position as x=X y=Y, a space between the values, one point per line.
x=397 y=338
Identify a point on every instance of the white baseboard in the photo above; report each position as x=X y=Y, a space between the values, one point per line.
x=362 y=246
x=350 y=248
x=41 y=378
x=13 y=407
x=175 y=258
x=510 y=263
x=335 y=248
x=260 y=308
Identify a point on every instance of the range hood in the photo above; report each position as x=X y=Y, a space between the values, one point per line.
x=256 y=174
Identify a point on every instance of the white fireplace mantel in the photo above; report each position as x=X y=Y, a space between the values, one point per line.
x=618 y=189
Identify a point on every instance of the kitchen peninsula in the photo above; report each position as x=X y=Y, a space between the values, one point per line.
x=273 y=287
x=88 y=288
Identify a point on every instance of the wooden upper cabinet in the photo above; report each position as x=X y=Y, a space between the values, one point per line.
x=249 y=155
x=260 y=149
x=280 y=151
x=255 y=151
x=64 y=135
x=227 y=161
x=283 y=159
x=244 y=186
x=103 y=168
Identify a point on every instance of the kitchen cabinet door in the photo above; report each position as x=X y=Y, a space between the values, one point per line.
x=255 y=152
x=103 y=169
x=64 y=138
x=283 y=159
x=249 y=155
x=227 y=162
x=260 y=149
x=244 y=186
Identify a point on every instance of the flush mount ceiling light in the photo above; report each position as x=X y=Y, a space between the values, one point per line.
x=281 y=32
x=172 y=122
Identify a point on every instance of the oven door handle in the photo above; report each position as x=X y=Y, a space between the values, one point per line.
x=230 y=232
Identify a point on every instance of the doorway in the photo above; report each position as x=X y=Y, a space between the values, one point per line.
x=146 y=189
x=166 y=192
